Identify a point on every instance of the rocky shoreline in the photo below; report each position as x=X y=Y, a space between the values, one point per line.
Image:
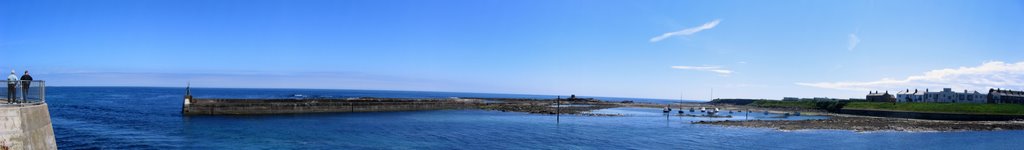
x=865 y=124
x=549 y=107
x=834 y=122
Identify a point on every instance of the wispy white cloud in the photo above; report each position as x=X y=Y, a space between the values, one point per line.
x=852 y=42
x=994 y=74
x=687 y=31
x=714 y=69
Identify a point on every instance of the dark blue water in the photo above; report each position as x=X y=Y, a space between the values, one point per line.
x=148 y=118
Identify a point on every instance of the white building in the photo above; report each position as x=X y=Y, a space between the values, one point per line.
x=945 y=96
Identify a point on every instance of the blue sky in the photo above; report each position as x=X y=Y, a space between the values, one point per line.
x=649 y=49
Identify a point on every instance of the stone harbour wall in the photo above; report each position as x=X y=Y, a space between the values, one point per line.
x=931 y=116
x=248 y=107
x=26 y=127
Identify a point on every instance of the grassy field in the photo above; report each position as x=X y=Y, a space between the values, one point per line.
x=1006 y=109
x=785 y=104
x=831 y=106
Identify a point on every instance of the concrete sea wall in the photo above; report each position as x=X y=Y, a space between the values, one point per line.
x=931 y=116
x=287 y=106
x=26 y=127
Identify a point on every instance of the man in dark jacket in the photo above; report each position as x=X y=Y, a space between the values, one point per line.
x=26 y=80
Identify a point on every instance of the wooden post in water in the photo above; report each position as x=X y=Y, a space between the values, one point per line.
x=558 y=110
x=746 y=116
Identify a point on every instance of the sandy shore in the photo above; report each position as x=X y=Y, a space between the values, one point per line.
x=863 y=123
x=834 y=122
x=849 y=122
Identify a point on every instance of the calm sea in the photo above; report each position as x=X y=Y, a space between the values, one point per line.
x=149 y=118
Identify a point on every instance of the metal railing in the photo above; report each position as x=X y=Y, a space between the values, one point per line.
x=23 y=92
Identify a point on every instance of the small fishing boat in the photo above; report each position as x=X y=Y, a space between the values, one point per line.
x=765 y=112
x=796 y=113
x=666 y=110
x=681 y=104
x=713 y=112
x=702 y=109
x=691 y=109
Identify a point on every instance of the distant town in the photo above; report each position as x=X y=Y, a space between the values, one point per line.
x=946 y=95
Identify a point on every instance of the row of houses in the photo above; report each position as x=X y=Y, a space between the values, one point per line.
x=1001 y=96
x=947 y=95
x=818 y=99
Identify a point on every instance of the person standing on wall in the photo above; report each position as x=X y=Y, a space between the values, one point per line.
x=26 y=80
x=12 y=82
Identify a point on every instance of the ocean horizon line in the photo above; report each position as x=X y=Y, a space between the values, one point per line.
x=345 y=89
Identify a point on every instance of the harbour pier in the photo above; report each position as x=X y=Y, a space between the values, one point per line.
x=25 y=118
x=200 y=106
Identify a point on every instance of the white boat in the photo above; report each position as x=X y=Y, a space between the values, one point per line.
x=702 y=109
x=713 y=112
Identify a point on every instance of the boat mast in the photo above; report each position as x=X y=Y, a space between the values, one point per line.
x=680 y=101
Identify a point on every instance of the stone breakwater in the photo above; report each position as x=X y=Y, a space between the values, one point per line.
x=200 y=106
x=931 y=115
x=864 y=123
x=287 y=106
